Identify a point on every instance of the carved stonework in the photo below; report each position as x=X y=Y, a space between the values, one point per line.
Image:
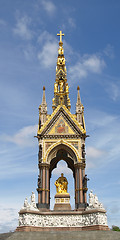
x=62 y=220
x=30 y=206
x=85 y=180
x=83 y=151
x=93 y=202
x=40 y=154
x=48 y=144
x=39 y=181
x=75 y=144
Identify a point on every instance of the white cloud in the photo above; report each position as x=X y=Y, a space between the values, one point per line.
x=115 y=207
x=113 y=90
x=71 y=22
x=16 y=168
x=8 y=218
x=22 y=28
x=29 y=52
x=93 y=64
x=93 y=155
x=48 y=55
x=45 y=36
x=17 y=160
x=87 y=64
x=49 y=6
x=104 y=130
x=94 y=152
x=77 y=71
x=109 y=51
x=9 y=214
x=23 y=138
x=99 y=119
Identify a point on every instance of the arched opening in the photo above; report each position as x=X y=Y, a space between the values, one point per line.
x=62 y=167
x=62 y=151
x=62 y=159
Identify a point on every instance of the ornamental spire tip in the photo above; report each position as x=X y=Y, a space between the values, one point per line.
x=60 y=34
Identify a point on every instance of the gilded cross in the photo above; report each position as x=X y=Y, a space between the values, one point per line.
x=60 y=34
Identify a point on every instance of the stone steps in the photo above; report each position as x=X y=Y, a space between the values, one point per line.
x=67 y=235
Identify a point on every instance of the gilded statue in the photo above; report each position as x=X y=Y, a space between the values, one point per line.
x=61 y=184
x=67 y=88
x=55 y=87
x=61 y=86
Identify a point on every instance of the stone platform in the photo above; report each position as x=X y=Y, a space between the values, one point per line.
x=69 y=235
x=94 y=219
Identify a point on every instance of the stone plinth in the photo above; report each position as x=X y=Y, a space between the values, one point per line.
x=62 y=221
x=62 y=202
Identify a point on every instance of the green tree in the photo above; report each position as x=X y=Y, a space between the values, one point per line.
x=115 y=228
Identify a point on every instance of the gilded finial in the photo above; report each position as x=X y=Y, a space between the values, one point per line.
x=60 y=34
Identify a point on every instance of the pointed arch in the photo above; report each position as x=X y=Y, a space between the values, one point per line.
x=62 y=151
x=62 y=143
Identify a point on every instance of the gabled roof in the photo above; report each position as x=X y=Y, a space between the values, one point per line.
x=61 y=110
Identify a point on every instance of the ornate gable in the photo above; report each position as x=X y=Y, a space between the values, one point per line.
x=61 y=122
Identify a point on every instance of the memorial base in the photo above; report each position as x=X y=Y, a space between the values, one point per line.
x=62 y=202
x=62 y=221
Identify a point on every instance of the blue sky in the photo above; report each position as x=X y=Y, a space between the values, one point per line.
x=28 y=54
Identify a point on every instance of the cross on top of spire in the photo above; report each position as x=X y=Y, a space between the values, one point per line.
x=60 y=34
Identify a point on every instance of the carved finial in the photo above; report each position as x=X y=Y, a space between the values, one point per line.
x=43 y=87
x=78 y=88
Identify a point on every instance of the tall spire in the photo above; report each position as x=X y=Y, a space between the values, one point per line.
x=43 y=99
x=79 y=108
x=43 y=110
x=61 y=88
x=78 y=96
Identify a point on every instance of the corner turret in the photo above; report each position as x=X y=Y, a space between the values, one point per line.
x=80 y=109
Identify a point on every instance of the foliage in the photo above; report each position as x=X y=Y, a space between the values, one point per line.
x=115 y=228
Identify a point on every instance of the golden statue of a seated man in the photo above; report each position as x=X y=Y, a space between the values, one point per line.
x=61 y=184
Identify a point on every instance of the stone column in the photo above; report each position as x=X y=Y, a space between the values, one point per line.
x=47 y=186
x=76 y=189
x=81 y=186
x=43 y=189
x=79 y=198
x=43 y=184
x=39 y=189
